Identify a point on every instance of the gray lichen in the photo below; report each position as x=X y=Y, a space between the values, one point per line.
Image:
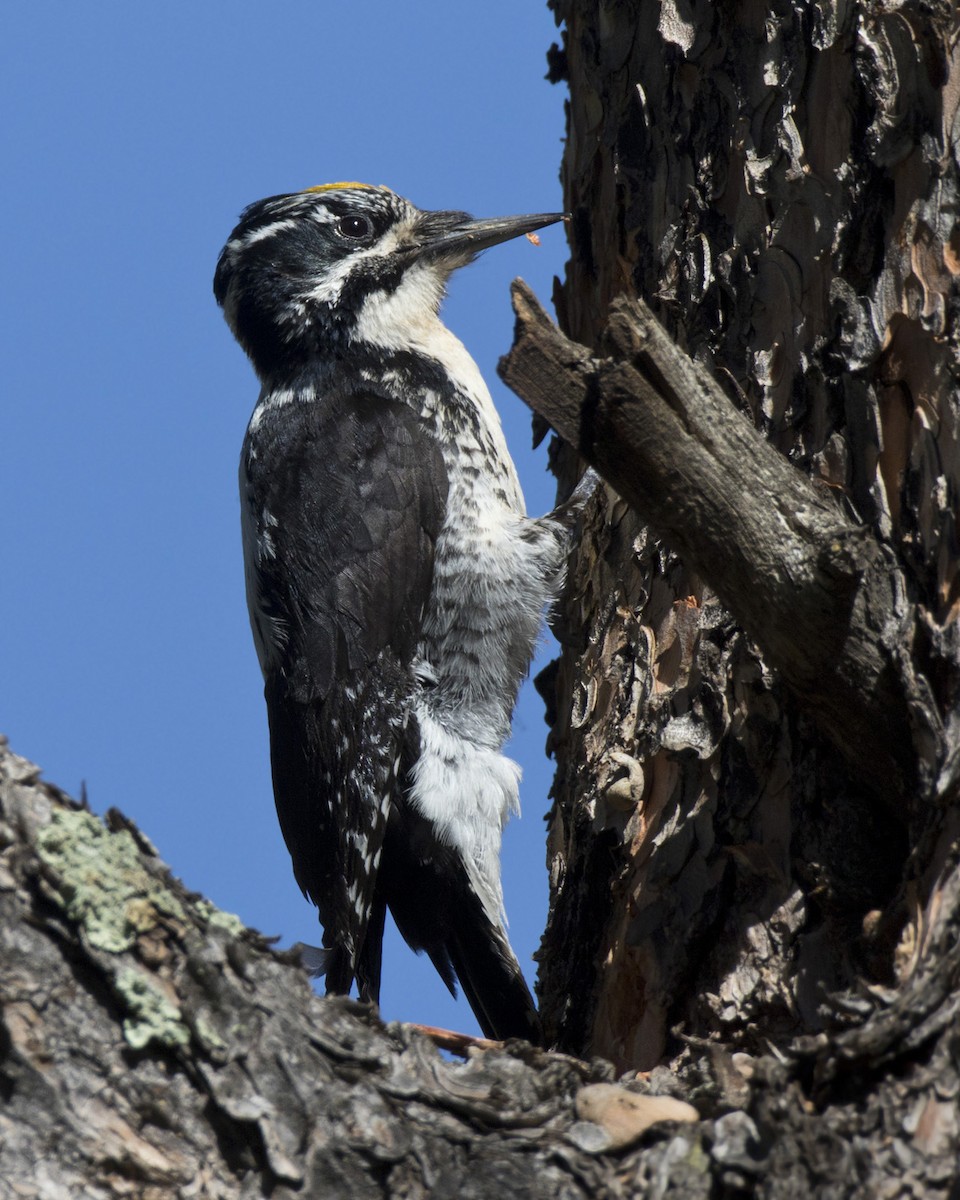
x=216 y=918
x=98 y=879
x=150 y=1016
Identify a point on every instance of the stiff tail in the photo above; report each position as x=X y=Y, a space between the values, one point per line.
x=428 y=890
x=370 y=959
x=335 y=965
x=492 y=980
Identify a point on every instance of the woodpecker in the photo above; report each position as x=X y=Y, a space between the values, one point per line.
x=395 y=585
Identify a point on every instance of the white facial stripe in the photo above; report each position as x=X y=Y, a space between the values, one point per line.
x=329 y=289
x=265 y=231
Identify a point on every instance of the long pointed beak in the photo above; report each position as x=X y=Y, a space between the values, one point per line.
x=457 y=237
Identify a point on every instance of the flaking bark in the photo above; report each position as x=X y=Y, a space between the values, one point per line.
x=820 y=594
x=150 y=1046
x=755 y=821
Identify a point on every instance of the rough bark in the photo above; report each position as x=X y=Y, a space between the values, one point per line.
x=780 y=183
x=821 y=595
x=151 y=1047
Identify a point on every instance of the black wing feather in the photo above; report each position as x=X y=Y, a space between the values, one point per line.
x=345 y=498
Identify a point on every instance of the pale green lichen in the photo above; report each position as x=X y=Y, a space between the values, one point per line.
x=150 y=1016
x=216 y=918
x=100 y=881
x=208 y=1037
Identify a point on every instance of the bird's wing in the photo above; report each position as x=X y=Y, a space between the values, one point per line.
x=344 y=500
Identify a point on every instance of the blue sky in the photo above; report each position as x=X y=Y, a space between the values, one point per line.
x=132 y=137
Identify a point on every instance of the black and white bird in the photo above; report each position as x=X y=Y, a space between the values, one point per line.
x=395 y=585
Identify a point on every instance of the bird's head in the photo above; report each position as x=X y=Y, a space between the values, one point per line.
x=303 y=275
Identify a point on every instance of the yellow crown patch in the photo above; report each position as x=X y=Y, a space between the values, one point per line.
x=332 y=187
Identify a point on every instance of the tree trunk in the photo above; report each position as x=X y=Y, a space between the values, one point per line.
x=727 y=849
x=755 y=842
x=754 y=834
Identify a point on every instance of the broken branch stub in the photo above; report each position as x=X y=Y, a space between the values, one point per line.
x=823 y=598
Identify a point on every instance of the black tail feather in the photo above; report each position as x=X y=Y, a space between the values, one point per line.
x=370 y=958
x=428 y=889
x=337 y=971
x=441 y=960
x=492 y=980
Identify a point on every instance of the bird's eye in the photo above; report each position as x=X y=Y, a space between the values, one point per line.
x=353 y=227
